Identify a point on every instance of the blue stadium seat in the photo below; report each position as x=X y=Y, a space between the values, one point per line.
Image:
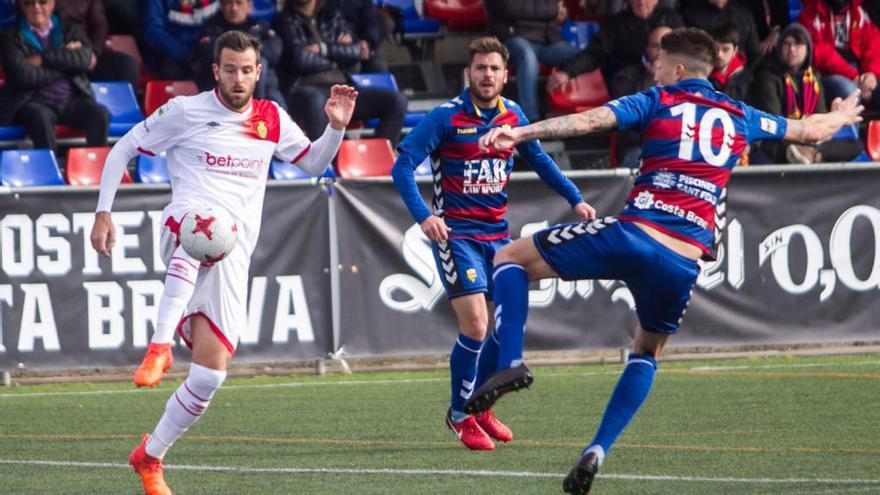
x=22 y=168
x=122 y=104
x=264 y=9
x=286 y=170
x=794 y=9
x=7 y=13
x=384 y=80
x=152 y=169
x=12 y=133
x=579 y=33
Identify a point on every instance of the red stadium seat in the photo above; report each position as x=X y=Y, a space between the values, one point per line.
x=873 y=141
x=458 y=15
x=124 y=43
x=365 y=158
x=583 y=92
x=84 y=166
x=2 y=77
x=158 y=92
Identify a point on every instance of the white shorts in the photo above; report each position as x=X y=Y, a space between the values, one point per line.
x=220 y=294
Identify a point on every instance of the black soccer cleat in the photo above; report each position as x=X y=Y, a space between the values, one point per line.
x=580 y=478
x=502 y=382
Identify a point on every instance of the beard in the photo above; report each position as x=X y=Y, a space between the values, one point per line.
x=236 y=101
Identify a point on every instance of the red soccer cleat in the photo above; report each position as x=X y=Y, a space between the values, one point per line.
x=469 y=433
x=491 y=425
x=149 y=469
x=157 y=360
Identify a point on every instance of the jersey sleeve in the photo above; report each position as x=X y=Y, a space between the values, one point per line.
x=426 y=137
x=633 y=111
x=293 y=144
x=761 y=125
x=162 y=129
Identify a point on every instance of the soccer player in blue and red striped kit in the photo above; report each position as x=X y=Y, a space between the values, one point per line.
x=693 y=136
x=467 y=222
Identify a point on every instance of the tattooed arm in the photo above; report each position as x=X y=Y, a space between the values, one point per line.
x=595 y=120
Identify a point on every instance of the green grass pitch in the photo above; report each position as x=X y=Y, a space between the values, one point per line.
x=774 y=426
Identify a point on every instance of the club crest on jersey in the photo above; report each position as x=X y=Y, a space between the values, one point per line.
x=485 y=176
x=471 y=274
x=644 y=200
x=262 y=129
x=466 y=130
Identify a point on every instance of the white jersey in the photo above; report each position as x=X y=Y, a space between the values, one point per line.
x=217 y=156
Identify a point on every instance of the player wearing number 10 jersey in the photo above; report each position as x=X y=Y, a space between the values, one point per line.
x=693 y=137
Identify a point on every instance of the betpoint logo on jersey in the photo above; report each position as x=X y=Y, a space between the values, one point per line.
x=234 y=162
x=484 y=176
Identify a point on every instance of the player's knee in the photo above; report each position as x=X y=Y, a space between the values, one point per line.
x=474 y=326
x=505 y=255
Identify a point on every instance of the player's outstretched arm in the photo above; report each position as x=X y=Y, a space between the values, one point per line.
x=103 y=235
x=820 y=127
x=594 y=120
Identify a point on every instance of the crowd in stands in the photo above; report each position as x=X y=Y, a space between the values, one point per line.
x=782 y=56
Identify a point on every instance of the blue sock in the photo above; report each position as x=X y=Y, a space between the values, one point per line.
x=632 y=389
x=487 y=365
x=511 y=310
x=463 y=369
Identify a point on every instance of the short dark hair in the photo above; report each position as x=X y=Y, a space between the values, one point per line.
x=695 y=46
x=488 y=44
x=800 y=36
x=236 y=41
x=726 y=33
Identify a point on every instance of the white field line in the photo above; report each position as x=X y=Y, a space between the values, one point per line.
x=442 y=472
x=409 y=380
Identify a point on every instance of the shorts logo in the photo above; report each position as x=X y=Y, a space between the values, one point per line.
x=471 y=274
x=644 y=200
x=262 y=129
x=565 y=233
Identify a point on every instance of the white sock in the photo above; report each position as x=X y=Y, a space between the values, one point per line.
x=598 y=450
x=184 y=408
x=180 y=282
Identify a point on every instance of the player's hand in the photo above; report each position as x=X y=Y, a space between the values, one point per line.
x=500 y=138
x=849 y=108
x=340 y=106
x=585 y=211
x=557 y=78
x=435 y=229
x=103 y=233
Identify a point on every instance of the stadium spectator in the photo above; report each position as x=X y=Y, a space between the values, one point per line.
x=234 y=15
x=770 y=17
x=172 y=29
x=631 y=80
x=730 y=75
x=788 y=84
x=46 y=61
x=371 y=28
x=654 y=245
x=109 y=65
x=845 y=47
x=530 y=30
x=711 y=15
x=320 y=50
x=617 y=6
x=467 y=223
x=620 y=42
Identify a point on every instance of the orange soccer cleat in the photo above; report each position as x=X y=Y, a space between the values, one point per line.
x=149 y=469
x=469 y=433
x=157 y=360
x=491 y=425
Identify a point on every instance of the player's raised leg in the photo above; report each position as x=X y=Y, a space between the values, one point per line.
x=515 y=265
x=632 y=389
x=180 y=280
x=184 y=407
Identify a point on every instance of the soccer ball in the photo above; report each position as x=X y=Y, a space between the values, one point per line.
x=208 y=233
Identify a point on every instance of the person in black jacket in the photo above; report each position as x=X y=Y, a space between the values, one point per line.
x=711 y=15
x=530 y=31
x=369 y=26
x=320 y=50
x=234 y=15
x=620 y=42
x=46 y=62
x=730 y=74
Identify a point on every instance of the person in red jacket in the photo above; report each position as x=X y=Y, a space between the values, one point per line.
x=845 y=43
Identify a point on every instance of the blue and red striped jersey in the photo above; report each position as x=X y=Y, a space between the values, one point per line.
x=692 y=137
x=469 y=184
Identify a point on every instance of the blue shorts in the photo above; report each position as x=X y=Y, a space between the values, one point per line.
x=659 y=279
x=465 y=265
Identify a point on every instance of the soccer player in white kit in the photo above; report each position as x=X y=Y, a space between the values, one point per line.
x=219 y=146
